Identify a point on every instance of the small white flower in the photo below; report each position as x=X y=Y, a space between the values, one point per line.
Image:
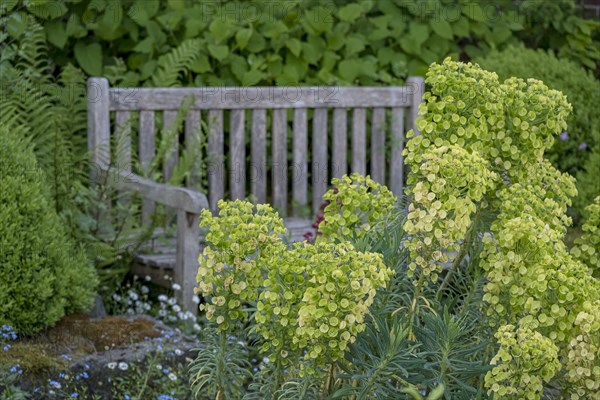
x=116 y=297
x=176 y=286
x=145 y=289
x=134 y=296
x=130 y=311
x=176 y=308
x=162 y=313
x=196 y=299
x=148 y=278
x=123 y=366
x=162 y=298
x=172 y=376
x=181 y=315
x=112 y=365
x=178 y=352
x=172 y=301
x=147 y=306
x=197 y=327
x=159 y=367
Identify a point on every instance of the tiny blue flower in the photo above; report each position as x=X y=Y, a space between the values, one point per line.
x=74 y=395
x=6 y=347
x=564 y=136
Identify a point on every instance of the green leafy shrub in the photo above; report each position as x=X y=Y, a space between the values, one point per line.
x=572 y=152
x=43 y=275
x=143 y=43
x=355 y=205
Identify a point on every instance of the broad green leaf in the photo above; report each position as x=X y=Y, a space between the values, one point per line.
x=74 y=27
x=319 y=19
x=47 y=10
x=221 y=30
x=385 y=55
x=242 y=37
x=89 y=57
x=274 y=29
x=145 y=46
x=378 y=34
x=295 y=46
x=170 y=20
x=238 y=65
x=419 y=32
x=501 y=33
x=156 y=33
x=460 y=27
x=330 y=58
x=148 y=68
x=56 y=34
x=335 y=41
x=354 y=45
x=112 y=18
x=349 y=69
x=350 y=12
x=473 y=11
x=380 y=22
x=252 y=77
x=442 y=28
x=193 y=27
x=257 y=43
x=200 y=64
x=177 y=5
x=218 y=52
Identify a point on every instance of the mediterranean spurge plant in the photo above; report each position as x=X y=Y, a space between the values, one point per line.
x=480 y=154
x=304 y=304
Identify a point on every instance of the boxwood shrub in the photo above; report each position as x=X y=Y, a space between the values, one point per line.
x=42 y=274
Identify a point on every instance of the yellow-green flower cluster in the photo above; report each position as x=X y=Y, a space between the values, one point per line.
x=228 y=271
x=446 y=187
x=356 y=204
x=587 y=247
x=509 y=124
x=583 y=359
x=316 y=298
x=524 y=361
x=543 y=192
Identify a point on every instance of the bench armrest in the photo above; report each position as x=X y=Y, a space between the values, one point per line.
x=180 y=198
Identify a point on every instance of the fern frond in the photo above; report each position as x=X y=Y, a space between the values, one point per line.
x=176 y=62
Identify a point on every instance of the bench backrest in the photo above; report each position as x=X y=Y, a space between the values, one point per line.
x=290 y=173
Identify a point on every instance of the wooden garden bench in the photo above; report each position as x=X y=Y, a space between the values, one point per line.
x=286 y=176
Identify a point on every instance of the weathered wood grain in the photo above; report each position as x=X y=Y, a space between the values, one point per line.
x=237 y=155
x=378 y=145
x=339 y=154
x=319 y=161
x=359 y=141
x=299 y=161
x=279 y=167
x=258 y=171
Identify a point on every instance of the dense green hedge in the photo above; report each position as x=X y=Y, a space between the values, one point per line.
x=151 y=42
x=42 y=274
x=577 y=150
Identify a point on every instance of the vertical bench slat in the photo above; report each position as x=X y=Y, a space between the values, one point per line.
x=172 y=154
x=359 y=141
x=146 y=147
x=98 y=125
x=193 y=143
x=300 y=166
x=123 y=147
x=258 y=177
x=339 y=163
x=237 y=154
x=280 y=159
x=216 y=184
x=397 y=144
x=123 y=139
x=378 y=145
x=416 y=86
x=319 y=148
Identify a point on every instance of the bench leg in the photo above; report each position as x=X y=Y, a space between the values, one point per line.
x=188 y=251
